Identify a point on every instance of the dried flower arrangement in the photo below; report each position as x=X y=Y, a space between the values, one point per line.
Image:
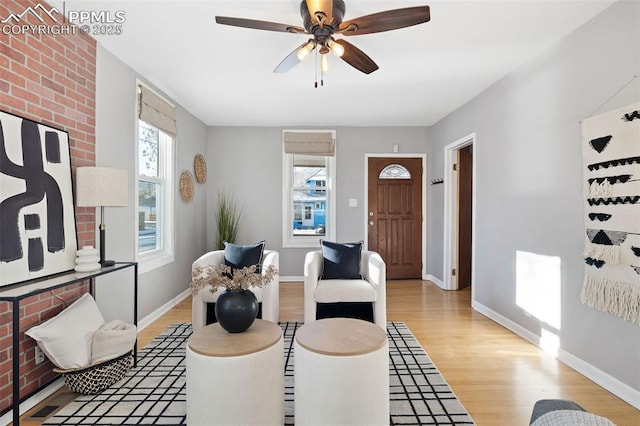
x=223 y=276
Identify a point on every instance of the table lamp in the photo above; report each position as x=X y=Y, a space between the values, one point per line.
x=101 y=187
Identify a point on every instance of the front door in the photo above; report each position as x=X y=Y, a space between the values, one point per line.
x=395 y=214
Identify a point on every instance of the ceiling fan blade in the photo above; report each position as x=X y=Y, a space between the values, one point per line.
x=290 y=61
x=386 y=21
x=258 y=25
x=356 y=57
x=322 y=7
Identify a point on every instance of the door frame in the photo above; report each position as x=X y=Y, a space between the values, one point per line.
x=365 y=209
x=450 y=249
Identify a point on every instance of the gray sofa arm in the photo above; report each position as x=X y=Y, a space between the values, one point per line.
x=561 y=412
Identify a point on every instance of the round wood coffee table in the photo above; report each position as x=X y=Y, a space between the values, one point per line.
x=236 y=378
x=341 y=372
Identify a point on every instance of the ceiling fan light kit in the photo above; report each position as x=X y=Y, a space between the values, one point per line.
x=304 y=51
x=322 y=19
x=337 y=49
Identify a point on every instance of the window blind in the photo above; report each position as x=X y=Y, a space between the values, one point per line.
x=157 y=112
x=309 y=143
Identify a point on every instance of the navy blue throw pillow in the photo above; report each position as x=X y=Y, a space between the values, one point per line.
x=238 y=257
x=341 y=261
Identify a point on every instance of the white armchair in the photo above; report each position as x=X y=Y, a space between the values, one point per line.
x=371 y=289
x=268 y=296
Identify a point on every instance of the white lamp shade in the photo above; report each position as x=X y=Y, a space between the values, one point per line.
x=101 y=186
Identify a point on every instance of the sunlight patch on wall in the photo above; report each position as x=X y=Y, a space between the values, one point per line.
x=538 y=282
x=549 y=341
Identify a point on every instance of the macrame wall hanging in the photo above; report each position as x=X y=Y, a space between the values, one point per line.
x=611 y=156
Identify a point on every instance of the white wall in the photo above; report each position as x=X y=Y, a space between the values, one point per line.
x=115 y=147
x=529 y=183
x=248 y=162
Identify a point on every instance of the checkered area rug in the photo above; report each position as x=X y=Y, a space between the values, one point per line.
x=154 y=391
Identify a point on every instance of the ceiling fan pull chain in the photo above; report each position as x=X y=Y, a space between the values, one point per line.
x=316 y=70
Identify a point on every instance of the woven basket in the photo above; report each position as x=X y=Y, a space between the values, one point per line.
x=97 y=377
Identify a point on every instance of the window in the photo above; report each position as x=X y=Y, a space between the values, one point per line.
x=307 y=169
x=151 y=184
x=394 y=171
x=155 y=209
x=309 y=198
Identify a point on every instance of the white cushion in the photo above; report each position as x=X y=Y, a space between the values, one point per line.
x=66 y=338
x=333 y=291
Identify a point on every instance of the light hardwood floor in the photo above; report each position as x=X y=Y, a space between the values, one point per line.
x=496 y=375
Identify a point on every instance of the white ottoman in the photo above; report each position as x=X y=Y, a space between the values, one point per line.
x=236 y=378
x=341 y=373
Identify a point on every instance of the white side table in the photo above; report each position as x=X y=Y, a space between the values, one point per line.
x=341 y=373
x=236 y=378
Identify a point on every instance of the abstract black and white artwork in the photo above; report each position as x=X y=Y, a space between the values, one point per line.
x=37 y=218
x=611 y=155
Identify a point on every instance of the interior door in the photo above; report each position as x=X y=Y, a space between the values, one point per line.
x=395 y=214
x=465 y=185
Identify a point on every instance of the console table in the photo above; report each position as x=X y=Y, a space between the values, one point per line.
x=18 y=292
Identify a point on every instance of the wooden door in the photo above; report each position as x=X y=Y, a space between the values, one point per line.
x=394 y=213
x=465 y=185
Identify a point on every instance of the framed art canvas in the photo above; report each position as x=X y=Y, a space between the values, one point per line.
x=37 y=217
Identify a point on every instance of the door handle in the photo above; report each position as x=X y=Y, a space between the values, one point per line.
x=370 y=223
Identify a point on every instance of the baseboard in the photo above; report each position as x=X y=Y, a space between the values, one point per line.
x=434 y=280
x=606 y=381
x=34 y=400
x=613 y=385
x=507 y=323
x=428 y=277
x=146 y=321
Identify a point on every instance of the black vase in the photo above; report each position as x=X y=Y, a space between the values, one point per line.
x=236 y=310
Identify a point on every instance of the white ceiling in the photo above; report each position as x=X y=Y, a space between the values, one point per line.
x=223 y=75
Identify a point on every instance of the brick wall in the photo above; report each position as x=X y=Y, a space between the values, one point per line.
x=49 y=78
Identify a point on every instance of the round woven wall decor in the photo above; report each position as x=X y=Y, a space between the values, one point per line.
x=200 y=167
x=187 y=186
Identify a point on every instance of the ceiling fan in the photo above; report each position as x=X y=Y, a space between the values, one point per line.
x=322 y=19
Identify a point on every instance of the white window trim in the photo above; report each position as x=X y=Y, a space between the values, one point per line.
x=154 y=259
x=300 y=241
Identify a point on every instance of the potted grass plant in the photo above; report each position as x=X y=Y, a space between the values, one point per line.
x=227 y=218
